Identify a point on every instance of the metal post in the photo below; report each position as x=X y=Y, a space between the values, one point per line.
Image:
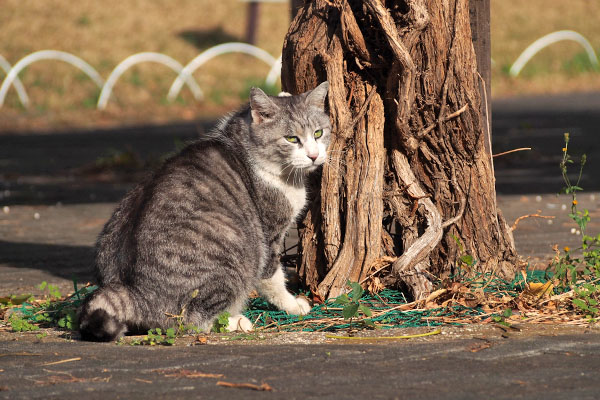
x=479 y=11
x=295 y=6
x=252 y=22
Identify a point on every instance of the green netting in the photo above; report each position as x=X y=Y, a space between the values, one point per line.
x=328 y=316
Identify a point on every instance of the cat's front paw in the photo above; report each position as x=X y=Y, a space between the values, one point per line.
x=239 y=323
x=300 y=307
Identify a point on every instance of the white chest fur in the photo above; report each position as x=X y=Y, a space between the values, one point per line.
x=296 y=194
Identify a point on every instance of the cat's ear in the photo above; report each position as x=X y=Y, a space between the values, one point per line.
x=316 y=97
x=262 y=107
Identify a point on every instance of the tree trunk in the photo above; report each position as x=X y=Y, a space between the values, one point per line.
x=408 y=194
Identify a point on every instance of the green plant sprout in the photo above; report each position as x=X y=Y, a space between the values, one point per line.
x=352 y=305
x=465 y=262
x=221 y=323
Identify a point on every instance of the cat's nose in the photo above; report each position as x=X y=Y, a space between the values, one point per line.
x=313 y=157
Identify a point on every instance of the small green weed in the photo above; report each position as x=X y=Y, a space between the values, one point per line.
x=155 y=337
x=51 y=290
x=501 y=319
x=465 y=262
x=19 y=324
x=580 y=274
x=352 y=305
x=221 y=323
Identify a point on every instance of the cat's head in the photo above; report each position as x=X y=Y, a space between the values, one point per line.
x=290 y=133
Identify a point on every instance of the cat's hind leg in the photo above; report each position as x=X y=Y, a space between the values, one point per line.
x=273 y=289
x=206 y=307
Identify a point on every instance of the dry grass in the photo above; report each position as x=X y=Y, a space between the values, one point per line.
x=559 y=68
x=104 y=33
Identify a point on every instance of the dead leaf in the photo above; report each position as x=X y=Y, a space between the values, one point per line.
x=406 y=307
x=434 y=295
x=540 y=289
x=374 y=285
x=431 y=305
x=317 y=299
x=201 y=340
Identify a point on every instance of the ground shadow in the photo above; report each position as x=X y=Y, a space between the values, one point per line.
x=46 y=168
x=68 y=262
x=537 y=170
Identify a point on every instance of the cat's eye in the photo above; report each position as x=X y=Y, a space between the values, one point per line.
x=318 y=133
x=292 y=139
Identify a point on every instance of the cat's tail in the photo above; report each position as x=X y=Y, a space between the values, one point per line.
x=105 y=315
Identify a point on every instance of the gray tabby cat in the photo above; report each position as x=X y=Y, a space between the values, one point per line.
x=208 y=227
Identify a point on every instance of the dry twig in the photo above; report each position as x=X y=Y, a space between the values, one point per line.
x=265 y=387
x=536 y=215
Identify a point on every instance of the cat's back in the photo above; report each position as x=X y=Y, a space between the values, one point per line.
x=206 y=177
x=200 y=201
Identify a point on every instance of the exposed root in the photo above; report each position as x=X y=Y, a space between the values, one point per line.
x=421 y=248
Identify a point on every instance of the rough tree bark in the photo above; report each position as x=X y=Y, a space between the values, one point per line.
x=409 y=188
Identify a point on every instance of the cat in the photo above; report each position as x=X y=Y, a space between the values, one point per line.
x=207 y=228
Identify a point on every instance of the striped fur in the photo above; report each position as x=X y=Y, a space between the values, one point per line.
x=207 y=227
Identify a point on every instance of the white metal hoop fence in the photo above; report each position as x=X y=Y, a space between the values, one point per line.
x=185 y=73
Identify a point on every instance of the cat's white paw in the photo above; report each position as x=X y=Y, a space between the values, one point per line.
x=298 y=306
x=239 y=323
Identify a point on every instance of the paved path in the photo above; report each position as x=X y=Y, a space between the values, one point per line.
x=465 y=365
x=57 y=200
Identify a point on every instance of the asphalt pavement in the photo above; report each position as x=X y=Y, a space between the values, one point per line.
x=55 y=195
